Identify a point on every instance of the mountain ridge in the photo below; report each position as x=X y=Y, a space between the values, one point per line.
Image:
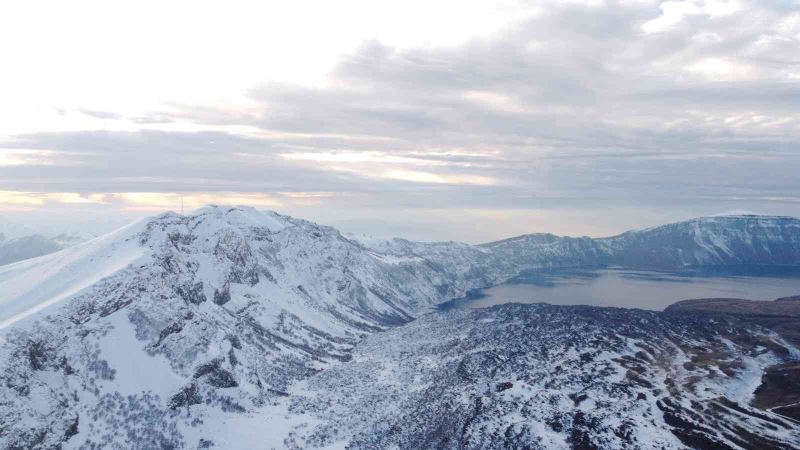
x=706 y=241
x=210 y=317
x=19 y=248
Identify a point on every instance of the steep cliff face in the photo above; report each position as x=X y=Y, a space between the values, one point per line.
x=710 y=241
x=726 y=240
x=535 y=251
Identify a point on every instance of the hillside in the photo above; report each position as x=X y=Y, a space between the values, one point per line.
x=226 y=307
x=17 y=249
x=13 y=249
x=549 y=377
x=180 y=330
x=781 y=315
x=709 y=241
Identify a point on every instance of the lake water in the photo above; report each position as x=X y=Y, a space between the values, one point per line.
x=636 y=288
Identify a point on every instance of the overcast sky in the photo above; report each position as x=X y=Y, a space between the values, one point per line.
x=431 y=120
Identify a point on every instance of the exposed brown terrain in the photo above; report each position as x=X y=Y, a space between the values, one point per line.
x=780 y=384
x=784 y=306
x=781 y=315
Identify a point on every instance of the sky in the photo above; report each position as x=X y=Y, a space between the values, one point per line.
x=446 y=120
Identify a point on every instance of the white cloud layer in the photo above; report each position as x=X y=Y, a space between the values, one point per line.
x=683 y=106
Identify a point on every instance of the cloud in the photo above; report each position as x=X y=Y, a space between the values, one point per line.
x=672 y=14
x=101 y=114
x=675 y=103
x=23 y=157
x=144 y=201
x=156 y=201
x=17 y=198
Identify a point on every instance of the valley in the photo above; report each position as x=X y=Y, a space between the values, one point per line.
x=635 y=288
x=239 y=328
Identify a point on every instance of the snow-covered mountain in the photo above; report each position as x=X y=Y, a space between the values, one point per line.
x=177 y=331
x=708 y=241
x=17 y=249
x=721 y=240
x=550 y=377
x=70 y=238
x=225 y=307
x=716 y=240
x=13 y=249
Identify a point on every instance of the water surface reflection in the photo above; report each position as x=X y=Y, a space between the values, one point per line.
x=637 y=288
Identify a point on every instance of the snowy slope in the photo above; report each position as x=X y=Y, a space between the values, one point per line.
x=179 y=329
x=32 y=285
x=708 y=241
x=548 y=377
x=721 y=240
x=231 y=304
x=26 y=246
x=20 y=248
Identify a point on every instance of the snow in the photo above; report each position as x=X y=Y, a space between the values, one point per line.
x=265 y=428
x=31 y=286
x=136 y=370
x=300 y=297
x=415 y=369
x=741 y=387
x=736 y=212
x=244 y=216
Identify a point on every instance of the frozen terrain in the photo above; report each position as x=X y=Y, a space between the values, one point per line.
x=709 y=241
x=26 y=246
x=246 y=329
x=549 y=377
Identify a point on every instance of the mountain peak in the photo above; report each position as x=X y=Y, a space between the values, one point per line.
x=237 y=215
x=228 y=306
x=737 y=213
x=744 y=215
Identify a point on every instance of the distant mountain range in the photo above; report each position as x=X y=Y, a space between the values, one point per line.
x=33 y=245
x=709 y=241
x=220 y=328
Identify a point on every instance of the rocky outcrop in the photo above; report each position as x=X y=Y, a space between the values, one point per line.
x=546 y=377
x=223 y=310
x=142 y=336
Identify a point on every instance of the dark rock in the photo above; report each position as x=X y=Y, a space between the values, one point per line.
x=223 y=296
x=192 y=293
x=187 y=396
x=215 y=375
x=205 y=444
x=174 y=327
x=504 y=386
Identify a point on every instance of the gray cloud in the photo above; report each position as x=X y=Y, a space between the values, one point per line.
x=101 y=114
x=573 y=107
